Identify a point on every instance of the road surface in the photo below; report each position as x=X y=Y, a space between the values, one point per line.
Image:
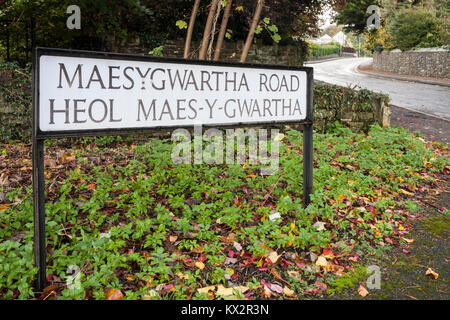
x=425 y=98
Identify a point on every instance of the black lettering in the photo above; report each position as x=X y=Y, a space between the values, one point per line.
x=206 y=81
x=261 y=83
x=146 y=113
x=76 y=110
x=111 y=77
x=234 y=109
x=105 y=110
x=192 y=108
x=62 y=68
x=129 y=78
x=53 y=111
x=169 y=112
x=163 y=82
x=179 y=108
x=97 y=79
x=111 y=112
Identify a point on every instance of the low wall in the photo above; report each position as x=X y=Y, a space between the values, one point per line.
x=355 y=109
x=289 y=55
x=423 y=62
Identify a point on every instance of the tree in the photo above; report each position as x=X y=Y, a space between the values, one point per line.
x=190 y=29
x=413 y=27
x=207 y=31
x=251 y=32
x=353 y=14
x=223 y=28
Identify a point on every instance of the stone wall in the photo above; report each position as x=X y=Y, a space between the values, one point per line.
x=355 y=109
x=422 y=62
x=289 y=55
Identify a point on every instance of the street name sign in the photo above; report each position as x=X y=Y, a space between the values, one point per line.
x=83 y=93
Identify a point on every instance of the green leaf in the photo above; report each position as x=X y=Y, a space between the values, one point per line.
x=276 y=37
x=181 y=24
x=273 y=28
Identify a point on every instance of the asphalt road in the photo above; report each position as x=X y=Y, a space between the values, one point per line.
x=429 y=99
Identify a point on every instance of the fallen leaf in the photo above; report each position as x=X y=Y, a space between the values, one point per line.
x=273 y=257
x=408 y=240
x=288 y=292
x=406 y=192
x=276 y=288
x=230 y=261
x=114 y=294
x=229 y=238
x=294 y=274
x=152 y=293
x=321 y=285
x=362 y=291
x=182 y=276
x=198 y=250
x=267 y=292
x=3 y=207
x=319 y=226
x=237 y=246
x=173 y=238
x=240 y=289
x=321 y=262
x=206 y=290
x=200 y=265
x=225 y=292
x=432 y=273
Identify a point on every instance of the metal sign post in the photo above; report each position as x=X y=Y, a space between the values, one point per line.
x=83 y=93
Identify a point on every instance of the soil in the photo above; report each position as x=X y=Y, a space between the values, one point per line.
x=432 y=128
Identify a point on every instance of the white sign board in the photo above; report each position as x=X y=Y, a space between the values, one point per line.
x=82 y=93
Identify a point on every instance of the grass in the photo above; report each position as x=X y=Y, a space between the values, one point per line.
x=131 y=220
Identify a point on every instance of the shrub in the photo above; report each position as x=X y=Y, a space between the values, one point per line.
x=15 y=102
x=415 y=28
x=319 y=50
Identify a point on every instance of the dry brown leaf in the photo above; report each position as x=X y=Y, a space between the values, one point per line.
x=408 y=240
x=206 y=290
x=288 y=292
x=321 y=262
x=198 y=250
x=273 y=257
x=225 y=292
x=241 y=289
x=294 y=274
x=173 y=238
x=200 y=265
x=182 y=276
x=362 y=291
x=114 y=294
x=432 y=273
x=267 y=292
x=229 y=238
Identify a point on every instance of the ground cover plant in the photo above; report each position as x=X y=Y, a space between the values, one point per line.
x=124 y=222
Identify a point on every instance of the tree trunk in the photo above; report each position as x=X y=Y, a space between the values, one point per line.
x=187 y=45
x=251 y=32
x=207 y=31
x=213 y=30
x=223 y=29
